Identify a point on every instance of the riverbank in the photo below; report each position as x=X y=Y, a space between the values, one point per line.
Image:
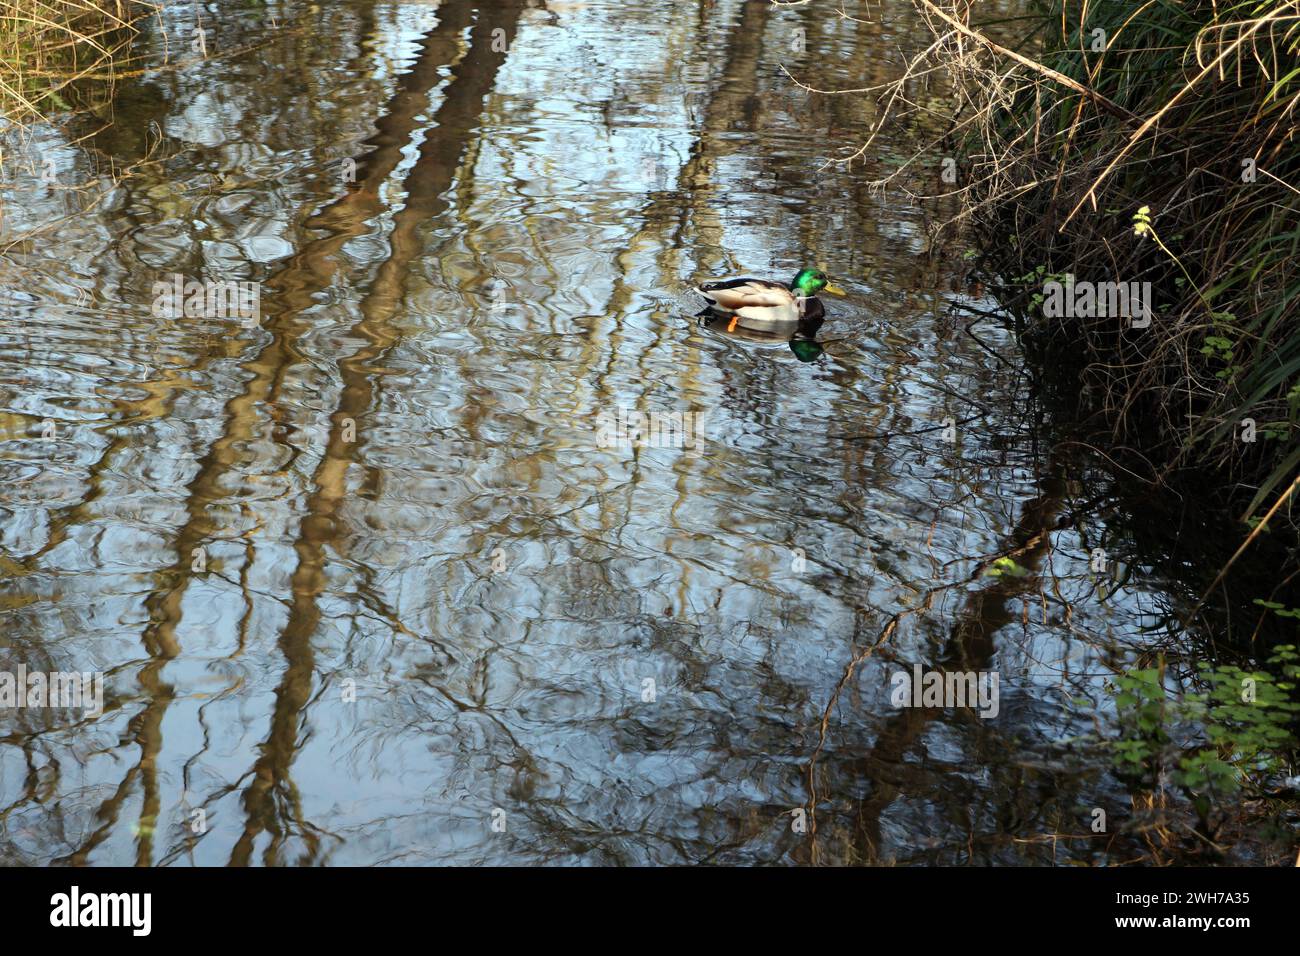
x=1129 y=174
x=1131 y=170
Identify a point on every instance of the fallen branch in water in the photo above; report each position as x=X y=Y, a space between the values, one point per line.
x=1254 y=532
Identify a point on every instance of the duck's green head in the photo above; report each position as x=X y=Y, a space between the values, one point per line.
x=808 y=282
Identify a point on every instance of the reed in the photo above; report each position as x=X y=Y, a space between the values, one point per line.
x=1148 y=141
x=56 y=56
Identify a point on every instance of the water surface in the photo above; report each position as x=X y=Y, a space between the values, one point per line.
x=365 y=586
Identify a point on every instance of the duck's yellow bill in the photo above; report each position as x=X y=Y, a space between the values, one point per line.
x=833 y=289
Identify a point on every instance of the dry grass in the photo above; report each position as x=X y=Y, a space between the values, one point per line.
x=62 y=55
x=1191 y=109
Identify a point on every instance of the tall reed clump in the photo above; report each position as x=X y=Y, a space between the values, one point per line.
x=57 y=55
x=1149 y=141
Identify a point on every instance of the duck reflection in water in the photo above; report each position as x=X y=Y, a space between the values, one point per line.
x=801 y=336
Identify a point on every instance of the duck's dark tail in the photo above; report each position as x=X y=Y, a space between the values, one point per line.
x=706 y=289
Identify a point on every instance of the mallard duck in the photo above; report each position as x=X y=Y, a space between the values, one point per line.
x=764 y=305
